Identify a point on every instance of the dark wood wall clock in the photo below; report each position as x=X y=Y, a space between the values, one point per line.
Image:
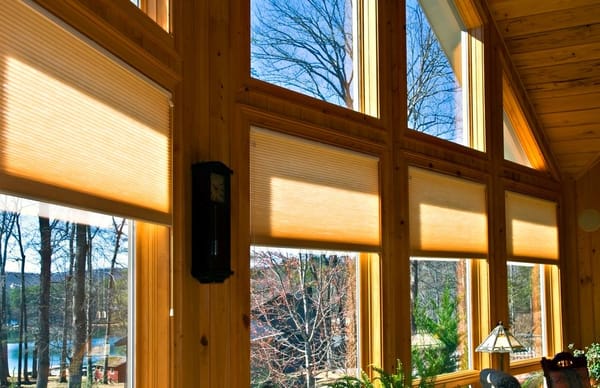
x=211 y=222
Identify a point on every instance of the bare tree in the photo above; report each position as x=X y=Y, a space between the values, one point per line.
x=303 y=311
x=43 y=342
x=305 y=46
x=431 y=85
x=7 y=222
x=119 y=235
x=79 y=306
x=23 y=338
x=68 y=302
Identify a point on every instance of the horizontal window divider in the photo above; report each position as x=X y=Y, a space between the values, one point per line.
x=318 y=245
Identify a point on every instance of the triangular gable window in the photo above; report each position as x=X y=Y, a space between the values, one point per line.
x=513 y=150
x=520 y=145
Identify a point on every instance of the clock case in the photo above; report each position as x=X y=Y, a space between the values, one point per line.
x=211 y=222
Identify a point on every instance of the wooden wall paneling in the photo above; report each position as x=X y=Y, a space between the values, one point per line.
x=240 y=256
x=570 y=266
x=395 y=256
x=392 y=68
x=240 y=163
x=220 y=101
x=395 y=267
x=192 y=315
x=588 y=249
x=496 y=203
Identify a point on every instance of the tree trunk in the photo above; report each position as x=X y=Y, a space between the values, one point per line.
x=88 y=309
x=34 y=356
x=109 y=298
x=79 y=307
x=23 y=304
x=22 y=319
x=67 y=309
x=44 y=308
x=26 y=345
x=8 y=221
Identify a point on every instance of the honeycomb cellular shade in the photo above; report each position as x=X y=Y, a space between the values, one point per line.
x=308 y=194
x=447 y=215
x=77 y=126
x=531 y=227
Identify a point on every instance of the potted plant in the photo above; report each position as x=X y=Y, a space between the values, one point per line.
x=592 y=355
x=387 y=380
x=396 y=379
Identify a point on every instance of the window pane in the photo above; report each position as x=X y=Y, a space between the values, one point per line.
x=77 y=263
x=304 y=316
x=526 y=308
x=305 y=46
x=440 y=325
x=513 y=149
x=435 y=68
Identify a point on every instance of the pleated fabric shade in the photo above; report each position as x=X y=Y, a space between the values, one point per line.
x=308 y=194
x=448 y=215
x=531 y=228
x=77 y=126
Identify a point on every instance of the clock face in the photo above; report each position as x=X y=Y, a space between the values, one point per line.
x=217 y=188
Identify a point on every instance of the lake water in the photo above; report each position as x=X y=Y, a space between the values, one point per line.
x=13 y=354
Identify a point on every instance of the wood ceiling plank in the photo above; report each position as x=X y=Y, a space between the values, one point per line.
x=558 y=56
x=567 y=103
x=572 y=75
x=548 y=91
x=548 y=39
x=509 y=9
x=571 y=119
x=587 y=147
x=575 y=163
x=527 y=25
x=566 y=133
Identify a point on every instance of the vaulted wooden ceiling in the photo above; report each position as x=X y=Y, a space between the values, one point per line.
x=555 y=47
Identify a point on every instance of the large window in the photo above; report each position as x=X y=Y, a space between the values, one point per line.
x=304 y=316
x=533 y=292
x=313 y=297
x=440 y=323
x=448 y=223
x=79 y=263
x=526 y=308
x=82 y=129
x=325 y=49
x=443 y=77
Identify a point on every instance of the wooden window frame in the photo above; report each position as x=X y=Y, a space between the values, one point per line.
x=369 y=287
x=520 y=124
x=159 y=11
x=552 y=313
